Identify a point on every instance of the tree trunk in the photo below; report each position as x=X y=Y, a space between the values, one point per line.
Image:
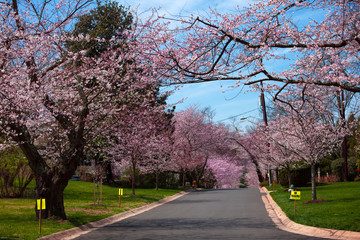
x=202 y=170
x=258 y=171
x=23 y=188
x=313 y=182
x=166 y=179
x=109 y=175
x=183 y=180
x=51 y=181
x=100 y=190
x=51 y=189
x=253 y=160
x=133 y=178
x=289 y=176
x=50 y=186
x=157 y=180
x=345 y=159
x=94 y=186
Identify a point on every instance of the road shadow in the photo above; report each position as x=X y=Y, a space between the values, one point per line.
x=189 y=201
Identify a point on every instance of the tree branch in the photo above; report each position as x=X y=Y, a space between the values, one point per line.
x=354 y=89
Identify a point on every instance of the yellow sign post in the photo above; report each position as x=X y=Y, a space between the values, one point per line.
x=121 y=192
x=295 y=195
x=41 y=204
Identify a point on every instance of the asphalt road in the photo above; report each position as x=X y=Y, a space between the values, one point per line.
x=205 y=214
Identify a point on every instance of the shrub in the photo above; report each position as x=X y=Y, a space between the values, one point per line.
x=300 y=177
x=337 y=167
x=15 y=173
x=327 y=179
x=209 y=179
x=325 y=166
x=264 y=183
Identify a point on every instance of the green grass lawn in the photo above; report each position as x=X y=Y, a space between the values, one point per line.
x=341 y=211
x=18 y=221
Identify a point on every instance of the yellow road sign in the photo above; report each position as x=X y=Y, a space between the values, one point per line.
x=121 y=191
x=295 y=195
x=43 y=206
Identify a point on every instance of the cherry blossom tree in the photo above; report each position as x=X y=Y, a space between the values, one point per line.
x=251 y=175
x=188 y=149
x=314 y=141
x=305 y=129
x=196 y=139
x=160 y=156
x=251 y=146
x=226 y=171
x=246 y=45
x=108 y=20
x=279 y=155
x=238 y=46
x=271 y=145
x=139 y=139
x=32 y=82
x=48 y=107
x=307 y=134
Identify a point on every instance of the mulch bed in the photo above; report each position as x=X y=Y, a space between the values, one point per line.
x=315 y=201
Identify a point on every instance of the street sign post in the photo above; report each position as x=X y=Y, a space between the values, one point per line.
x=41 y=204
x=121 y=192
x=295 y=195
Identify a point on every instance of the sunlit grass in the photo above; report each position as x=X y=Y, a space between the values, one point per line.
x=18 y=221
x=341 y=211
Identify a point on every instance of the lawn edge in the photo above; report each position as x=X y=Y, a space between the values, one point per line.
x=284 y=223
x=88 y=227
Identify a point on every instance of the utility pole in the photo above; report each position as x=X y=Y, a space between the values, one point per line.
x=341 y=103
x=262 y=102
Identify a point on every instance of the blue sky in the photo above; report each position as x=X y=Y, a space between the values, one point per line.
x=225 y=102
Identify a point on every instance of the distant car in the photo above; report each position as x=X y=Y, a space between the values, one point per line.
x=75 y=178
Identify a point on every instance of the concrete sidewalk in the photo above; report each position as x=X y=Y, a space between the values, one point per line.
x=284 y=223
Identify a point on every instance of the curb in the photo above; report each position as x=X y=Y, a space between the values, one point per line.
x=86 y=228
x=284 y=223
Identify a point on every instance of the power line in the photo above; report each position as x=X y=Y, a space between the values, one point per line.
x=237 y=115
x=232 y=98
